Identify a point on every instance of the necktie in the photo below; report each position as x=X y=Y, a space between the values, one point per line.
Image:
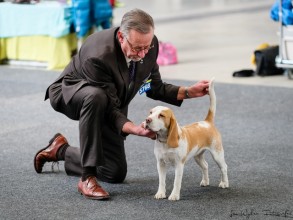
x=131 y=69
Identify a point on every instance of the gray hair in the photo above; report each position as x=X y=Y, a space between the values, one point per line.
x=137 y=20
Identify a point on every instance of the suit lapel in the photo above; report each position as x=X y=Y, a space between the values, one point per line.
x=123 y=69
x=142 y=73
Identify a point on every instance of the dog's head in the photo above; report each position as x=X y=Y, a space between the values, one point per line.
x=162 y=121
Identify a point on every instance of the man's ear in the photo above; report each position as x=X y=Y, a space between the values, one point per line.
x=120 y=37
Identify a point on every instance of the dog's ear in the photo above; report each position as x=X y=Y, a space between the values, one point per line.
x=173 y=136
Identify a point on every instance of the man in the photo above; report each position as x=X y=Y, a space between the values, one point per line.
x=96 y=88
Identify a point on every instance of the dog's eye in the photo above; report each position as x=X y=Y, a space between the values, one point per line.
x=161 y=116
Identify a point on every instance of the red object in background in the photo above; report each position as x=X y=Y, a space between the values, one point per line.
x=112 y=3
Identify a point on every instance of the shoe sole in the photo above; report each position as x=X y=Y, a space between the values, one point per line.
x=94 y=198
x=50 y=142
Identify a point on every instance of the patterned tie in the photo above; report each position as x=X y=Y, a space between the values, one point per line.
x=131 y=69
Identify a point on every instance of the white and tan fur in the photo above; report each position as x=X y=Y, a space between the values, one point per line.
x=176 y=145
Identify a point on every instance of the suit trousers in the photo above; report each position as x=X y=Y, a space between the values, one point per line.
x=100 y=145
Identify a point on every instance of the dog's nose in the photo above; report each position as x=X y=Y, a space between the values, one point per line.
x=148 y=120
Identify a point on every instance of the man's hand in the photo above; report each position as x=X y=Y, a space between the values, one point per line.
x=131 y=128
x=146 y=133
x=199 y=89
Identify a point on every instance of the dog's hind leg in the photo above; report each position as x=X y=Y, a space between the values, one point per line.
x=220 y=160
x=204 y=169
x=162 y=170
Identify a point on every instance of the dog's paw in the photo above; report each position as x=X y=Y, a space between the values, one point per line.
x=224 y=185
x=205 y=182
x=160 y=195
x=174 y=197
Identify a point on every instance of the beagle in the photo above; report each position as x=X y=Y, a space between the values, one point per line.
x=175 y=145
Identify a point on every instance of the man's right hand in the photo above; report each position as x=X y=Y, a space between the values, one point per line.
x=131 y=128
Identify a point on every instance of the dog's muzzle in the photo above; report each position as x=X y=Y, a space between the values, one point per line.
x=146 y=124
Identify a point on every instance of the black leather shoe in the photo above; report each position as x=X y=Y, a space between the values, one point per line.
x=49 y=153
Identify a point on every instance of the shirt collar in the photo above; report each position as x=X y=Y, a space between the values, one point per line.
x=127 y=60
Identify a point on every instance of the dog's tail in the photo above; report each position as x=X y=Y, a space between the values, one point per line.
x=212 y=110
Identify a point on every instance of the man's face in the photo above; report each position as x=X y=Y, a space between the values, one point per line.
x=136 y=45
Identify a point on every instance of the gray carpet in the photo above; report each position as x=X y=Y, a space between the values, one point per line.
x=256 y=126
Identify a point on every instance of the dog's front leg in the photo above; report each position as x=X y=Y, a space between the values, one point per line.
x=161 y=166
x=175 y=195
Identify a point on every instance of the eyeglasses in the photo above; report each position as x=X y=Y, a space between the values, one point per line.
x=138 y=49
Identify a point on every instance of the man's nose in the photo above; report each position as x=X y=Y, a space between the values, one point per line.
x=141 y=54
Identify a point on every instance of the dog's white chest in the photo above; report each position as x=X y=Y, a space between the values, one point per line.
x=170 y=158
x=167 y=155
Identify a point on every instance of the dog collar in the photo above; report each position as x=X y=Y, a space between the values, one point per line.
x=161 y=140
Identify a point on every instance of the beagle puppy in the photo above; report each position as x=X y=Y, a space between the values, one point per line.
x=175 y=145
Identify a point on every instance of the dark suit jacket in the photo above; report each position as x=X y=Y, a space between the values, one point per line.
x=101 y=62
